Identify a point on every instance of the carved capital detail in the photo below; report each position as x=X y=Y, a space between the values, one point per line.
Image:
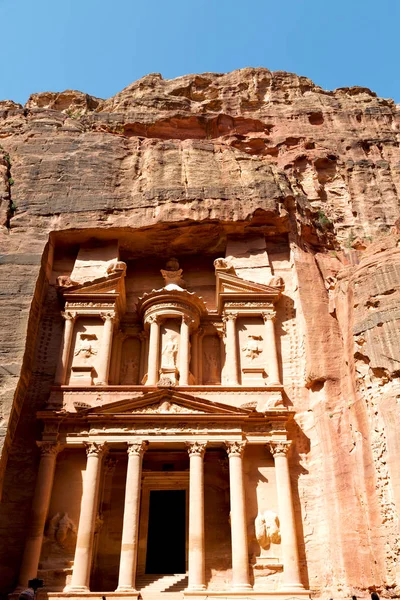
x=188 y=320
x=235 y=448
x=196 y=448
x=49 y=448
x=279 y=448
x=107 y=316
x=269 y=316
x=96 y=448
x=232 y=316
x=152 y=319
x=68 y=315
x=137 y=448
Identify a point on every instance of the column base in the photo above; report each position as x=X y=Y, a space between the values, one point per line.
x=292 y=587
x=125 y=589
x=77 y=589
x=195 y=588
x=241 y=587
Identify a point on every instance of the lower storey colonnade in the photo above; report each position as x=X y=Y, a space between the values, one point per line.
x=82 y=565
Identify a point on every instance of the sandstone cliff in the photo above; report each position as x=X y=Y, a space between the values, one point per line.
x=193 y=159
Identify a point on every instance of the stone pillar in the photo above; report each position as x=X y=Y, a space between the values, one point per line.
x=84 y=541
x=290 y=556
x=65 y=350
x=195 y=356
x=184 y=351
x=39 y=510
x=270 y=349
x=197 y=574
x=240 y=557
x=143 y=336
x=232 y=361
x=130 y=528
x=154 y=351
x=103 y=365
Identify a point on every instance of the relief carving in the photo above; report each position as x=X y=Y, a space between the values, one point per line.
x=86 y=346
x=169 y=353
x=129 y=371
x=253 y=348
x=59 y=527
x=166 y=407
x=267 y=529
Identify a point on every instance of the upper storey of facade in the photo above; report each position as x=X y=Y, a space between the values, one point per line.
x=193 y=321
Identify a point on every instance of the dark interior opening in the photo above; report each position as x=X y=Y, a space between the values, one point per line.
x=166 y=540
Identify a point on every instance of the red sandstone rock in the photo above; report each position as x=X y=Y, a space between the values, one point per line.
x=186 y=163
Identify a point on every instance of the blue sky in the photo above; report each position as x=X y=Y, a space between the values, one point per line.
x=100 y=46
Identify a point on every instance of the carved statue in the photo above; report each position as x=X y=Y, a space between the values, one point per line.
x=129 y=371
x=212 y=368
x=267 y=529
x=170 y=352
x=58 y=528
x=253 y=348
x=277 y=282
x=85 y=348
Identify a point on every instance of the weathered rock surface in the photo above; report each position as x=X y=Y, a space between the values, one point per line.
x=191 y=160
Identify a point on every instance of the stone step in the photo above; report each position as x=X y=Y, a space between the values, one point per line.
x=170 y=586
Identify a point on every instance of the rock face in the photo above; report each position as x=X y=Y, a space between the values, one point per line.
x=183 y=167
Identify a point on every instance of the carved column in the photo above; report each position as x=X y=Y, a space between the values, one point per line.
x=197 y=574
x=270 y=349
x=130 y=528
x=154 y=351
x=39 y=510
x=105 y=349
x=240 y=558
x=65 y=350
x=143 y=336
x=195 y=356
x=290 y=555
x=232 y=359
x=84 y=541
x=184 y=352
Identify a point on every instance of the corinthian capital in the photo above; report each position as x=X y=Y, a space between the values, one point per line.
x=49 y=448
x=196 y=448
x=96 y=448
x=279 y=448
x=231 y=316
x=69 y=315
x=235 y=448
x=137 y=448
x=107 y=316
x=269 y=316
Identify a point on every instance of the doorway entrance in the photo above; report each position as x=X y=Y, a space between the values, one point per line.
x=166 y=539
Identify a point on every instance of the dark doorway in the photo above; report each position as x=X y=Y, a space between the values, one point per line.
x=166 y=540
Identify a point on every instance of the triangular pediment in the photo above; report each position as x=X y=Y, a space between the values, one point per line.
x=103 y=285
x=167 y=402
x=230 y=287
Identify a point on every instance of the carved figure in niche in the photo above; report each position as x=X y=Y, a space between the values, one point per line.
x=85 y=348
x=58 y=528
x=212 y=368
x=172 y=274
x=129 y=371
x=170 y=353
x=253 y=348
x=211 y=357
x=267 y=529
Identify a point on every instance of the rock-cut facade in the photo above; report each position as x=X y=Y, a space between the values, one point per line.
x=200 y=341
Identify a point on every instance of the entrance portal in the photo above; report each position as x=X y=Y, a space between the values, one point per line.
x=166 y=540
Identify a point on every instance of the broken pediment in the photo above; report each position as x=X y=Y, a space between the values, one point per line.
x=167 y=402
x=97 y=292
x=231 y=288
